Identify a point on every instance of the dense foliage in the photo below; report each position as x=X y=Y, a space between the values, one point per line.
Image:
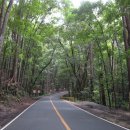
x=52 y=45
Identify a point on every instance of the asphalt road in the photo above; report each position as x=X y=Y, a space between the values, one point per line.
x=51 y=113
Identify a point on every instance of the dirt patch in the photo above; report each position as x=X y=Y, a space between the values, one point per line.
x=117 y=116
x=11 y=109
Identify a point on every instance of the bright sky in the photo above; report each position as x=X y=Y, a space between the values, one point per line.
x=77 y=2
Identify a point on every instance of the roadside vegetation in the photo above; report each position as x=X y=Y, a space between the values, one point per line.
x=50 y=45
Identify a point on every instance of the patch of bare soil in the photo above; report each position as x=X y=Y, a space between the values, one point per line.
x=117 y=116
x=12 y=108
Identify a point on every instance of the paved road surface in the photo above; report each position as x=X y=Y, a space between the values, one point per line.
x=51 y=113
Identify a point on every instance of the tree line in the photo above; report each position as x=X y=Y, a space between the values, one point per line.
x=85 y=49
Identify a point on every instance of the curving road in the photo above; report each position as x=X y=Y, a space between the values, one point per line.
x=51 y=113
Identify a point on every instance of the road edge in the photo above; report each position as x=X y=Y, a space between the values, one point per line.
x=71 y=103
x=18 y=116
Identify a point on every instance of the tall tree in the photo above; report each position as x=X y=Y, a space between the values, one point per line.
x=4 y=16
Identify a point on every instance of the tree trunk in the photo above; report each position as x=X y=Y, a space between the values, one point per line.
x=102 y=91
x=4 y=20
x=126 y=34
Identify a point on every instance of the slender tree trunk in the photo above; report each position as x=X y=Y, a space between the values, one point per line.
x=4 y=20
x=91 y=71
x=102 y=91
x=126 y=33
x=121 y=68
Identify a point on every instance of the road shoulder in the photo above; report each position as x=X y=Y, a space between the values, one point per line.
x=11 y=110
x=117 y=117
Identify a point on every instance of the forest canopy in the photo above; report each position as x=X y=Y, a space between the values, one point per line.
x=51 y=44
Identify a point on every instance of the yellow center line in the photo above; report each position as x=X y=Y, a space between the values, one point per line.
x=60 y=117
